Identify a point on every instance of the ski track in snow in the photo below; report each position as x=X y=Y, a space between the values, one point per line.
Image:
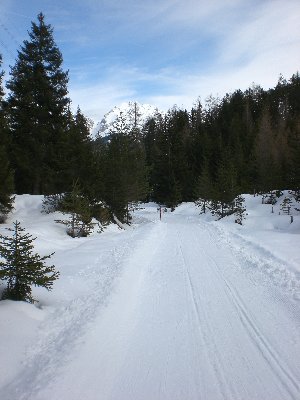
x=174 y=312
x=254 y=256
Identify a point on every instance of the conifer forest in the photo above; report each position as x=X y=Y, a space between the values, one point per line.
x=246 y=142
x=169 y=240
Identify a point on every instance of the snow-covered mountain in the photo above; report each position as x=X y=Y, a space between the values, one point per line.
x=134 y=113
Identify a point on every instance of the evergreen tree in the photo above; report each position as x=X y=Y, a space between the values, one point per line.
x=204 y=189
x=159 y=159
x=38 y=108
x=77 y=206
x=171 y=171
x=239 y=210
x=80 y=155
x=269 y=169
x=6 y=185
x=226 y=188
x=286 y=205
x=6 y=173
x=126 y=180
x=21 y=267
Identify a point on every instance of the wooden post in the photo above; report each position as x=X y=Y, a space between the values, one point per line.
x=292 y=218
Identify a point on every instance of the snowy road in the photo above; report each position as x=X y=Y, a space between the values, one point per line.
x=184 y=321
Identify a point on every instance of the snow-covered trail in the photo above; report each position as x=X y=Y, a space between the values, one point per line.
x=184 y=321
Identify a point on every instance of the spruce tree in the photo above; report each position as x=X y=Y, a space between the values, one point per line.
x=170 y=169
x=21 y=267
x=6 y=185
x=38 y=108
x=239 y=209
x=78 y=208
x=80 y=162
x=226 y=187
x=204 y=189
x=286 y=205
x=126 y=180
x=6 y=173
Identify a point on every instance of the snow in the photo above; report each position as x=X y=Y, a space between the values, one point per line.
x=182 y=308
x=103 y=128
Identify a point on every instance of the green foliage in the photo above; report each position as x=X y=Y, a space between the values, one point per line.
x=6 y=173
x=239 y=210
x=6 y=185
x=295 y=194
x=52 y=203
x=21 y=267
x=286 y=205
x=81 y=162
x=171 y=175
x=38 y=113
x=126 y=179
x=269 y=198
x=204 y=189
x=248 y=141
x=101 y=213
x=78 y=208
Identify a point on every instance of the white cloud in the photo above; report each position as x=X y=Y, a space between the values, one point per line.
x=267 y=30
x=245 y=41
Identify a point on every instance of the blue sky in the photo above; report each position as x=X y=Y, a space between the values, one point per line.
x=161 y=52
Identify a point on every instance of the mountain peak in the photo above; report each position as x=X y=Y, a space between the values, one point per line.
x=136 y=114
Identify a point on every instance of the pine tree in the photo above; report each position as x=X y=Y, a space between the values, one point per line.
x=38 y=108
x=80 y=162
x=171 y=176
x=6 y=185
x=77 y=206
x=125 y=170
x=21 y=267
x=226 y=188
x=204 y=189
x=239 y=209
x=6 y=173
x=286 y=205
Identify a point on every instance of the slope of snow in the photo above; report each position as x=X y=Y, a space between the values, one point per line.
x=144 y=111
x=182 y=308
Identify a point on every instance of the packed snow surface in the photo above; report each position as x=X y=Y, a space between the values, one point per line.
x=182 y=308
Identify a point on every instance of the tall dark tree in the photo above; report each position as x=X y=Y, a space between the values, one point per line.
x=171 y=168
x=6 y=173
x=204 y=189
x=80 y=163
x=226 y=187
x=125 y=169
x=38 y=106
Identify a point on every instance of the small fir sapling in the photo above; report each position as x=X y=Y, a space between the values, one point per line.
x=21 y=267
x=286 y=205
x=77 y=206
x=239 y=210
